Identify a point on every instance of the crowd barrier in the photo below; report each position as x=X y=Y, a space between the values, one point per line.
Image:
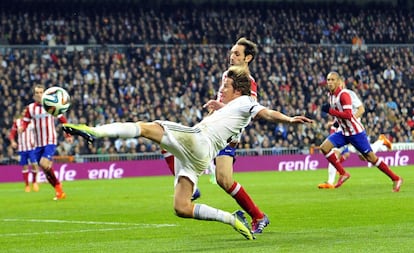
x=70 y=171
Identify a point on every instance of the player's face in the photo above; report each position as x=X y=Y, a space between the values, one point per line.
x=227 y=91
x=333 y=82
x=237 y=56
x=38 y=92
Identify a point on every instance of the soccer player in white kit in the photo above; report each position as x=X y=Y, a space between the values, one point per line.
x=352 y=132
x=242 y=53
x=195 y=147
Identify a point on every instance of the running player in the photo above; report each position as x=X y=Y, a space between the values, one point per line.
x=45 y=138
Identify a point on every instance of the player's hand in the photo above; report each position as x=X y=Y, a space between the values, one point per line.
x=325 y=108
x=300 y=119
x=20 y=130
x=213 y=105
x=69 y=138
x=13 y=144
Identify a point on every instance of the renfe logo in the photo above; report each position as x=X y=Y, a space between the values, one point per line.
x=62 y=174
x=394 y=160
x=306 y=164
x=110 y=173
x=65 y=174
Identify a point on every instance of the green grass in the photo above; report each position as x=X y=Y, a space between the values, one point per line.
x=136 y=215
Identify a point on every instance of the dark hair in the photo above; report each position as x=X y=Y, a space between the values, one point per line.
x=250 y=48
x=241 y=79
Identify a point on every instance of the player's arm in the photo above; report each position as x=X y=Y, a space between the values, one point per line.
x=356 y=102
x=332 y=123
x=213 y=105
x=346 y=103
x=360 y=111
x=276 y=116
x=25 y=122
x=12 y=135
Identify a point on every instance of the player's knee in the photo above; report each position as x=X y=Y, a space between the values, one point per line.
x=225 y=182
x=183 y=211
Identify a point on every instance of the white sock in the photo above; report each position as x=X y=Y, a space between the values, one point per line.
x=378 y=146
x=212 y=168
x=331 y=174
x=205 y=212
x=122 y=130
x=212 y=171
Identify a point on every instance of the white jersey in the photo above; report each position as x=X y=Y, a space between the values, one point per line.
x=196 y=146
x=356 y=102
x=227 y=123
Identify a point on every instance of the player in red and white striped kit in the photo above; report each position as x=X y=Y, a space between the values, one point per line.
x=45 y=138
x=353 y=132
x=241 y=54
x=25 y=148
x=358 y=109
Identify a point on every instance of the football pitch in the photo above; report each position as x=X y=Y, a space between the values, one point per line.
x=136 y=215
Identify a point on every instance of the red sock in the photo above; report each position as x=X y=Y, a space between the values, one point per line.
x=26 y=177
x=331 y=156
x=169 y=159
x=384 y=168
x=243 y=199
x=341 y=159
x=51 y=177
x=34 y=179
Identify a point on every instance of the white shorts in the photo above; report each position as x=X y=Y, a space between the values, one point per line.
x=192 y=150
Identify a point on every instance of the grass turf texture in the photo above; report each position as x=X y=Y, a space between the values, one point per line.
x=136 y=215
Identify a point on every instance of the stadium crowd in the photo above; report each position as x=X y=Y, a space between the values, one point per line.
x=145 y=63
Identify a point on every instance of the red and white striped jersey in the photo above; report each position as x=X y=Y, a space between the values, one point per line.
x=356 y=103
x=25 y=140
x=253 y=87
x=43 y=123
x=341 y=108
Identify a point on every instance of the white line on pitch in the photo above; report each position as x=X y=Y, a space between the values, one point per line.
x=66 y=232
x=131 y=226
x=90 y=222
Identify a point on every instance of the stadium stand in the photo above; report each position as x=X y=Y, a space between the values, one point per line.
x=124 y=62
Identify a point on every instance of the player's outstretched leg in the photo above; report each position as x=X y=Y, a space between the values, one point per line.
x=118 y=129
x=82 y=130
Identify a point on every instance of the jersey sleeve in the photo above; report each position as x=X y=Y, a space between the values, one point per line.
x=13 y=132
x=253 y=87
x=62 y=119
x=254 y=108
x=345 y=100
x=356 y=102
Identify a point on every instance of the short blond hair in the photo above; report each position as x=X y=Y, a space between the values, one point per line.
x=241 y=79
